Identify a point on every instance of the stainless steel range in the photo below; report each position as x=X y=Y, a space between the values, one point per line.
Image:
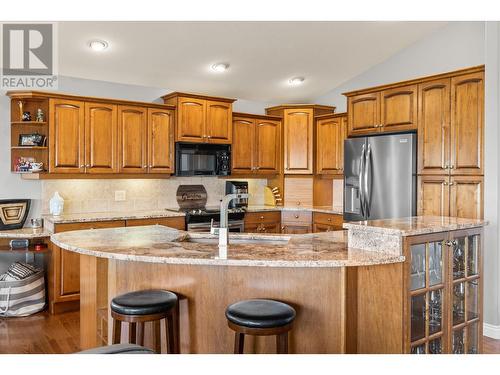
x=192 y=200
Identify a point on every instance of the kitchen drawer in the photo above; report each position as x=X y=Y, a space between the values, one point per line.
x=89 y=225
x=328 y=219
x=318 y=228
x=262 y=217
x=263 y=227
x=178 y=222
x=296 y=228
x=291 y=217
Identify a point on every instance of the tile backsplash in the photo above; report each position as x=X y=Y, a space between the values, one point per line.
x=83 y=196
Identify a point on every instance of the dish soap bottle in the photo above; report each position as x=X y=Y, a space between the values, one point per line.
x=56 y=204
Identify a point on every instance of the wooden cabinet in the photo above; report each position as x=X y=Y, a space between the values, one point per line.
x=132 y=135
x=324 y=222
x=160 y=140
x=443 y=299
x=202 y=119
x=67 y=136
x=296 y=222
x=298 y=134
x=434 y=127
x=101 y=138
x=64 y=269
x=263 y=222
x=331 y=131
x=256 y=145
x=172 y=222
x=467 y=124
x=460 y=196
x=298 y=191
x=390 y=110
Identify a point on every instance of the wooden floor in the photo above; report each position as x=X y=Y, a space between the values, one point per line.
x=57 y=334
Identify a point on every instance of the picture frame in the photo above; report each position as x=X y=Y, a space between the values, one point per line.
x=27 y=140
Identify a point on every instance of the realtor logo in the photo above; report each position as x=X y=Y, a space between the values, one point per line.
x=28 y=56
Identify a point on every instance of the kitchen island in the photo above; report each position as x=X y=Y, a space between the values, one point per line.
x=348 y=299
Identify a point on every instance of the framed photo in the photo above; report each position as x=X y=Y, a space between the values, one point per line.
x=31 y=140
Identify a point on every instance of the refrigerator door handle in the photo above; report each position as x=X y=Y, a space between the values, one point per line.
x=361 y=174
x=368 y=189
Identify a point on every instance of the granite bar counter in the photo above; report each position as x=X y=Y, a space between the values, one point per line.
x=348 y=299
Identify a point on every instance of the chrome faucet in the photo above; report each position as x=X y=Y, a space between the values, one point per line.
x=223 y=229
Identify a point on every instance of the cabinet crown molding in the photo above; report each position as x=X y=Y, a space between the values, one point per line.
x=176 y=94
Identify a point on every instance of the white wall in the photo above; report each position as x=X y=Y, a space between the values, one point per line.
x=455 y=46
x=12 y=186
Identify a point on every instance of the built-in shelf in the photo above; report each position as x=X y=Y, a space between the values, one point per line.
x=29 y=123
x=29 y=147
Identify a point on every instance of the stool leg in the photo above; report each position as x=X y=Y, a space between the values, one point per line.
x=157 y=336
x=177 y=335
x=169 y=324
x=117 y=331
x=131 y=333
x=282 y=343
x=140 y=333
x=239 y=343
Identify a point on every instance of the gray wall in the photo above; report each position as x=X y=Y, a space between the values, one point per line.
x=12 y=186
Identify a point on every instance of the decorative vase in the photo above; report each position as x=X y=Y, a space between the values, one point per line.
x=56 y=204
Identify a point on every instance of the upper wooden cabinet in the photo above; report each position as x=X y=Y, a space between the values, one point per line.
x=298 y=135
x=132 y=135
x=331 y=131
x=67 y=136
x=101 y=138
x=467 y=120
x=95 y=136
x=256 y=145
x=202 y=119
x=391 y=110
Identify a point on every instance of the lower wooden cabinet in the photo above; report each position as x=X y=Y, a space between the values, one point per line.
x=296 y=222
x=460 y=196
x=64 y=269
x=288 y=228
x=263 y=222
x=172 y=222
x=323 y=222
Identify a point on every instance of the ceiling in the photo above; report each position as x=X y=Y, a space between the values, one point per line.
x=263 y=56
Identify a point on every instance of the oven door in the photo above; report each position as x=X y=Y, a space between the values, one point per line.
x=235 y=226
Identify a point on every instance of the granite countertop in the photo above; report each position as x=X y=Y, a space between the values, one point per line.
x=416 y=225
x=28 y=233
x=337 y=210
x=108 y=216
x=158 y=244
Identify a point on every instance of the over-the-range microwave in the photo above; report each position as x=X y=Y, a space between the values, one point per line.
x=201 y=159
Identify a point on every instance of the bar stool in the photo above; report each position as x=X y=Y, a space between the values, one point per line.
x=137 y=308
x=260 y=317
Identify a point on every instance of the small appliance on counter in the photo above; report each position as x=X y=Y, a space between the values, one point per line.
x=237 y=187
x=192 y=200
x=13 y=213
x=201 y=159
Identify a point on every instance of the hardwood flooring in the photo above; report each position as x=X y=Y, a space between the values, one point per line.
x=58 y=334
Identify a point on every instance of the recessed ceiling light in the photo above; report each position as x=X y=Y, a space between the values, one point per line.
x=98 y=45
x=220 y=67
x=296 y=81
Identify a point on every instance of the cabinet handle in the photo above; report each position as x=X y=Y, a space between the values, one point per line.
x=451 y=166
x=262 y=217
x=298 y=203
x=283 y=228
x=257 y=168
x=82 y=166
x=446 y=166
x=150 y=166
x=88 y=166
x=296 y=216
x=451 y=183
x=144 y=166
x=329 y=219
x=209 y=136
x=445 y=183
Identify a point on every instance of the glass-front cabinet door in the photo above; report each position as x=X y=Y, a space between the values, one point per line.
x=465 y=291
x=427 y=265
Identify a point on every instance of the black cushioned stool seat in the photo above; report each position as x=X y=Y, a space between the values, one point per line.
x=143 y=306
x=144 y=302
x=260 y=317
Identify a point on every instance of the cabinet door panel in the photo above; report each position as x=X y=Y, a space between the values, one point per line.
x=242 y=153
x=330 y=146
x=268 y=146
x=296 y=229
x=66 y=136
x=70 y=273
x=218 y=122
x=399 y=109
x=434 y=127
x=101 y=138
x=132 y=132
x=466 y=197
x=160 y=140
x=364 y=113
x=298 y=141
x=467 y=119
x=433 y=196
x=191 y=116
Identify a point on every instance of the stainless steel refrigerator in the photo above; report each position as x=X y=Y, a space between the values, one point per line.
x=380 y=180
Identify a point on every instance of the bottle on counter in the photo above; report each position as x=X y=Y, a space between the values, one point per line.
x=56 y=204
